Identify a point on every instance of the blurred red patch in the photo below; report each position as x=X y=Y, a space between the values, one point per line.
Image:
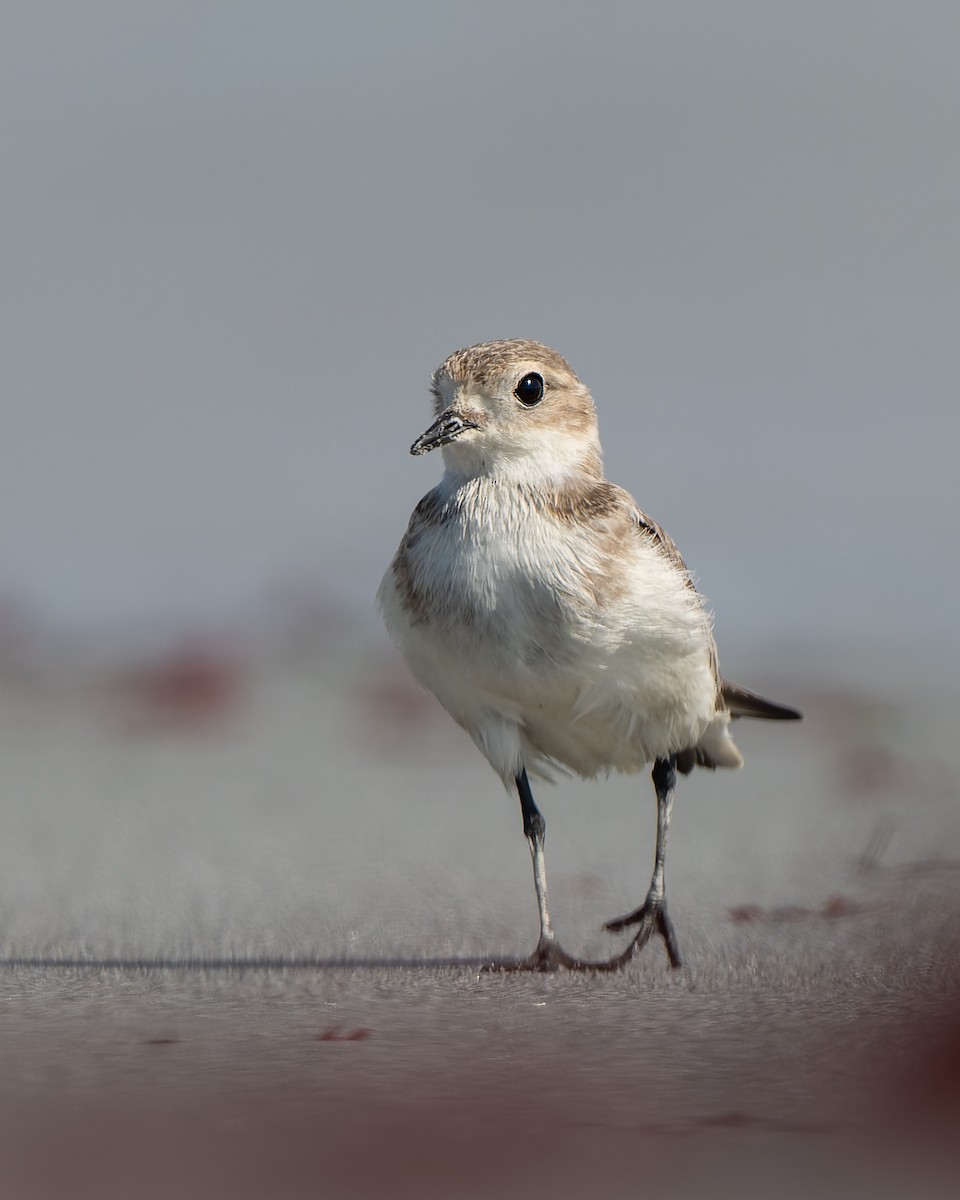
x=189 y=690
x=335 y=1034
x=834 y=907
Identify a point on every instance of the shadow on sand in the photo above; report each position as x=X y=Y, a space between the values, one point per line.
x=239 y=963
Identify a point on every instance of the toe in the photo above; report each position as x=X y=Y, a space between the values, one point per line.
x=652 y=918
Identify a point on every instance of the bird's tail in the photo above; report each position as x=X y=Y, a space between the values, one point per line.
x=743 y=703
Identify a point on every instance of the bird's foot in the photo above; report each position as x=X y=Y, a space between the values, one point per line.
x=548 y=956
x=652 y=918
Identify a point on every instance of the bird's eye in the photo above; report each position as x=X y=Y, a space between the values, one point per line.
x=529 y=391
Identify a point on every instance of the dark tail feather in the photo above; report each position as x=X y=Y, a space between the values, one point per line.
x=743 y=703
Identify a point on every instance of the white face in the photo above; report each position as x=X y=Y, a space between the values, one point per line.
x=528 y=417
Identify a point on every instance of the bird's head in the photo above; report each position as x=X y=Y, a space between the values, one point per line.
x=512 y=409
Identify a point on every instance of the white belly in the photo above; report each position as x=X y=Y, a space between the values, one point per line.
x=537 y=666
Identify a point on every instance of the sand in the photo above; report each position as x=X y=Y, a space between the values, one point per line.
x=244 y=922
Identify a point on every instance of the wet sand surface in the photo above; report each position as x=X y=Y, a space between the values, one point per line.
x=243 y=941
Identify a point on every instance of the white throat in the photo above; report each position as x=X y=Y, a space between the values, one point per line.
x=550 y=461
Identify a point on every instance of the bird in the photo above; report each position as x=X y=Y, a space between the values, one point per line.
x=552 y=618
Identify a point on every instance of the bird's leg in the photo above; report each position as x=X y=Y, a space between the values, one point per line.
x=535 y=831
x=547 y=956
x=652 y=915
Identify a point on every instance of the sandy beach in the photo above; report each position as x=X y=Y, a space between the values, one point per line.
x=244 y=929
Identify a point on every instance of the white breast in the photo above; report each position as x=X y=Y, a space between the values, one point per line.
x=522 y=639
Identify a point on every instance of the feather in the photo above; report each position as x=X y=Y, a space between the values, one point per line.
x=743 y=703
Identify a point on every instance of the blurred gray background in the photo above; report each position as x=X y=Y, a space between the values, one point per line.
x=237 y=239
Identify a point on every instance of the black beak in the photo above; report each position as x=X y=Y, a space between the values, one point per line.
x=446 y=428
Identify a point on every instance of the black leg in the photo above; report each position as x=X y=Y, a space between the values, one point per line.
x=547 y=956
x=652 y=916
x=534 y=826
x=535 y=831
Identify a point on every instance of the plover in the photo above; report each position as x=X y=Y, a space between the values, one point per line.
x=550 y=616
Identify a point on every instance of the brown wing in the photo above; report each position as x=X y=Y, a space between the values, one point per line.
x=665 y=543
x=739 y=700
x=668 y=548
